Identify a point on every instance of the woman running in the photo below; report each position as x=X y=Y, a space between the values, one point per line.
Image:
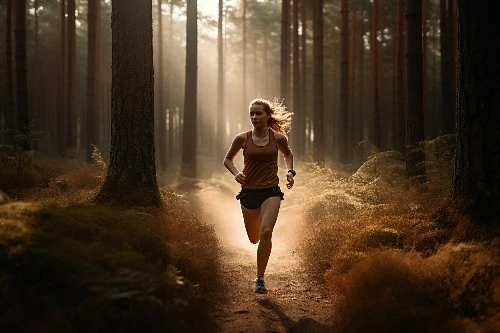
x=260 y=195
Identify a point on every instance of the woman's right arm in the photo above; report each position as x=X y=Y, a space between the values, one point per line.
x=236 y=146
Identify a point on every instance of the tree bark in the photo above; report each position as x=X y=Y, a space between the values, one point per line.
x=319 y=107
x=189 y=136
x=221 y=114
x=169 y=104
x=61 y=114
x=447 y=111
x=131 y=178
x=285 y=50
x=93 y=123
x=415 y=154
x=375 y=107
x=295 y=141
x=162 y=116
x=244 y=57
x=21 y=72
x=343 y=123
x=71 y=110
x=301 y=118
x=477 y=159
x=10 y=116
x=399 y=101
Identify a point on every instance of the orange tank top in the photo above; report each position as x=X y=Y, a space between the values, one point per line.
x=260 y=163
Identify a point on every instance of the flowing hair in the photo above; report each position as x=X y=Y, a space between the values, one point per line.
x=281 y=117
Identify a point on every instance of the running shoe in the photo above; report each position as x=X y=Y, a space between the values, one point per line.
x=260 y=286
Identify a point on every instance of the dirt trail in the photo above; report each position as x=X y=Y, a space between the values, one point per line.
x=295 y=302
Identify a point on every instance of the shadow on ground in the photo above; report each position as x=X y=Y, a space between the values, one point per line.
x=304 y=324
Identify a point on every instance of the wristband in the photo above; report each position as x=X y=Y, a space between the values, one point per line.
x=292 y=172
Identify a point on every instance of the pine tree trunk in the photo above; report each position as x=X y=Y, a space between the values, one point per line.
x=375 y=107
x=71 y=111
x=477 y=159
x=36 y=114
x=221 y=114
x=21 y=72
x=93 y=123
x=285 y=50
x=295 y=141
x=360 y=126
x=415 y=153
x=189 y=136
x=61 y=93
x=300 y=121
x=353 y=116
x=131 y=178
x=447 y=111
x=399 y=100
x=162 y=116
x=424 y=68
x=10 y=117
x=170 y=105
x=343 y=123
x=452 y=38
x=244 y=98
x=319 y=107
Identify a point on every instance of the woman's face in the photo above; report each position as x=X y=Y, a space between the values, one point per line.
x=258 y=116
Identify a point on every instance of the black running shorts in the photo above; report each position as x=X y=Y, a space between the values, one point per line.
x=253 y=198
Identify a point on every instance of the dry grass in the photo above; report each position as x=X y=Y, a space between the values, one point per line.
x=69 y=265
x=393 y=258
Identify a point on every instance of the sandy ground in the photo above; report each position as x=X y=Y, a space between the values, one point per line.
x=295 y=303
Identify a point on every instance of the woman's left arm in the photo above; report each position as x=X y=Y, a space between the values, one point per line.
x=282 y=143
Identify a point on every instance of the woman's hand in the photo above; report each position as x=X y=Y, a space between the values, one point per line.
x=240 y=177
x=289 y=180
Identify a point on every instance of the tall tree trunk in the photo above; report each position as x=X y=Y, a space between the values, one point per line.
x=221 y=114
x=285 y=50
x=399 y=100
x=36 y=114
x=10 y=116
x=447 y=111
x=170 y=72
x=375 y=107
x=415 y=155
x=131 y=178
x=265 y=64
x=353 y=117
x=189 y=136
x=61 y=114
x=360 y=127
x=71 y=111
x=477 y=159
x=319 y=107
x=343 y=123
x=21 y=72
x=93 y=105
x=424 y=68
x=301 y=118
x=161 y=107
x=434 y=100
x=296 y=74
x=452 y=38
x=244 y=69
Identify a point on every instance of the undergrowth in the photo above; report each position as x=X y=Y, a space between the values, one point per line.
x=73 y=266
x=392 y=258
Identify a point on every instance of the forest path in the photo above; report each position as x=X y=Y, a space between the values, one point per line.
x=295 y=302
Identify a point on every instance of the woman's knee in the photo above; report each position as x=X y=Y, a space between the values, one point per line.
x=266 y=234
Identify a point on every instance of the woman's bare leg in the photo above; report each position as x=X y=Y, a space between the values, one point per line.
x=269 y=214
x=252 y=223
